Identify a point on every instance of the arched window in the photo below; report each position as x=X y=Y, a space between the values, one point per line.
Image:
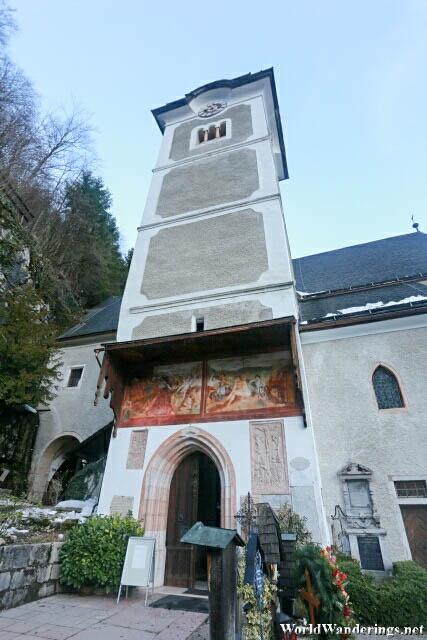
x=387 y=389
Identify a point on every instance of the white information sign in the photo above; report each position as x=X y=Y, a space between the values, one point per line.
x=138 y=568
x=139 y=559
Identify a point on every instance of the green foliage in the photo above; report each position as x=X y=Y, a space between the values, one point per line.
x=92 y=259
x=361 y=588
x=253 y=613
x=408 y=587
x=128 y=258
x=18 y=432
x=291 y=522
x=376 y=603
x=33 y=304
x=27 y=348
x=333 y=598
x=94 y=552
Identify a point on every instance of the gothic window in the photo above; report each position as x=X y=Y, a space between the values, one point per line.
x=386 y=389
x=370 y=553
x=75 y=376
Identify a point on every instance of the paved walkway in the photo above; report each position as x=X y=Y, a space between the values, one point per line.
x=92 y=617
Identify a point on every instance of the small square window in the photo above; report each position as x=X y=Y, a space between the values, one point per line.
x=411 y=488
x=75 y=376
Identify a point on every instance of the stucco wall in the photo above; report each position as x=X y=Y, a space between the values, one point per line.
x=234 y=436
x=210 y=182
x=348 y=425
x=73 y=410
x=222 y=251
x=70 y=417
x=220 y=315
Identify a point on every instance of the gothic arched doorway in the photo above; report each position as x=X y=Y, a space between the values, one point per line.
x=195 y=495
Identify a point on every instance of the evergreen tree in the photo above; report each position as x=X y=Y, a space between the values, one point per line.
x=28 y=368
x=128 y=258
x=91 y=254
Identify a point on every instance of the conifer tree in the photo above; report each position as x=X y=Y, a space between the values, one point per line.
x=91 y=252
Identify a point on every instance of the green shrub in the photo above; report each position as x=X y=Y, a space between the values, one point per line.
x=362 y=591
x=403 y=598
x=94 y=552
x=292 y=522
x=398 y=601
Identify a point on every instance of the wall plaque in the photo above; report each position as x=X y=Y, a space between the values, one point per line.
x=268 y=458
x=120 y=505
x=137 y=446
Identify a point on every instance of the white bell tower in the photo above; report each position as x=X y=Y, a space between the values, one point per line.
x=212 y=249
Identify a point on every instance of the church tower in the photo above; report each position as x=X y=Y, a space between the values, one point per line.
x=212 y=250
x=205 y=380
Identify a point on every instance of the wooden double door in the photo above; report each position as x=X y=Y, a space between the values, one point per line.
x=194 y=496
x=415 y=519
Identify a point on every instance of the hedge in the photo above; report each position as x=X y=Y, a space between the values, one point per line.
x=94 y=552
x=399 y=601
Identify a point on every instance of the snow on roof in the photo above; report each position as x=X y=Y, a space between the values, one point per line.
x=375 y=305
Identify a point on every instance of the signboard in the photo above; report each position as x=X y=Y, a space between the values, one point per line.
x=138 y=568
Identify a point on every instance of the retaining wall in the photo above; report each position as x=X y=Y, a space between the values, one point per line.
x=28 y=572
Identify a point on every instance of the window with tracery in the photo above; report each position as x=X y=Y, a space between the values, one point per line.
x=387 y=389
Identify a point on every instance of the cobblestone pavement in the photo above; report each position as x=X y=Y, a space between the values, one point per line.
x=95 y=617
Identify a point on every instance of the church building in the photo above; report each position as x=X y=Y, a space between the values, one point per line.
x=206 y=380
x=232 y=369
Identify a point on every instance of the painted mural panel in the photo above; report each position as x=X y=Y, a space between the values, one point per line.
x=170 y=391
x=262 y=381
x=255 y=386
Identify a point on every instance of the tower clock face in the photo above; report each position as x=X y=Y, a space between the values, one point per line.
x=212 y=109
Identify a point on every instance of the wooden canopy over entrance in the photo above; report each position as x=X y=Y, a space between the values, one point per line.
x=123 y=360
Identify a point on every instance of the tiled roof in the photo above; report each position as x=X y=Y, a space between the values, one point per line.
x=101 y=319
x=378 y=261
x=360 y=274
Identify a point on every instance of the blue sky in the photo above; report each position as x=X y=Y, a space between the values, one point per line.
x=352 y=87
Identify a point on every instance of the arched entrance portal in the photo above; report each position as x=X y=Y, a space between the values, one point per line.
x=195 y=495
x=154 y=505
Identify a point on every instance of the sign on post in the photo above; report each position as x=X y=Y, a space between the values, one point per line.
x=138 y=568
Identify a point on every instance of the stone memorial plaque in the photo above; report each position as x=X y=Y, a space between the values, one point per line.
x=120 y=505
x=137 y=446
x=268 y=458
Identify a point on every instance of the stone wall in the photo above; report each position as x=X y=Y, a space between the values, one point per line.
x=28 y=572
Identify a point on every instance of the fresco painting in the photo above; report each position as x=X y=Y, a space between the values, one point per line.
x=171 y=390
x=257 y=382
x=173 y=393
